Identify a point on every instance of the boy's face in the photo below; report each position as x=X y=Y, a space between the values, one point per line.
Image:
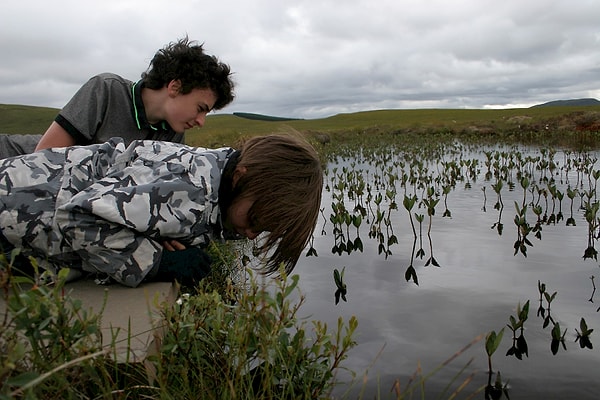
x=185 y=111
x=237 y=219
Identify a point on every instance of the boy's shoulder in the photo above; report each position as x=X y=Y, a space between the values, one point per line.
x=109 y=79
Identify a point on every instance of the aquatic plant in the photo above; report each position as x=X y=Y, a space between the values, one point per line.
x=496 y=390
x=341 y=289
x=583 y=337
x=519 y=344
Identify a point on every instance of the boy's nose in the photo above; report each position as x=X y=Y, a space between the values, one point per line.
x=200 y=119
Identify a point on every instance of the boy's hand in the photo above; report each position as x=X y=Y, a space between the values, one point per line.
x=172 y=245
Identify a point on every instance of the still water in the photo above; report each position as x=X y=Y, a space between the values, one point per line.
x=477 y=287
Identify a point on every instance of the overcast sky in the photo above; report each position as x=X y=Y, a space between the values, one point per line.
x=315 y=58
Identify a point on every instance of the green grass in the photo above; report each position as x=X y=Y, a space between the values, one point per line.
x=25 y=119
x=226 y=129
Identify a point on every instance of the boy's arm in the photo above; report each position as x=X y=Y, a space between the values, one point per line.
x=117 y=227
x=55 y=136
x=124 y=254
x=149 y=194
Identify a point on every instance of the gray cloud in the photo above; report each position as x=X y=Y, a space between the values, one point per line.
x=303 y=59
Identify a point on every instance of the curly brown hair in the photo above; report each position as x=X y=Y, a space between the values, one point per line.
x=284 y=177
x=186 y=61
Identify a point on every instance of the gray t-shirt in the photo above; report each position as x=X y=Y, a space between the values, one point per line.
x=110 y=106
x=14 y=145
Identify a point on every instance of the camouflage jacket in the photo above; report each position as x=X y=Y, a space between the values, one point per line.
x=106 y=208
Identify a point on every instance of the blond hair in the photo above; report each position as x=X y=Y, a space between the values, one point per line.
x=284 y=177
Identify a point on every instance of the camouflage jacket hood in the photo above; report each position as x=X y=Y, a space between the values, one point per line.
x=106 y=208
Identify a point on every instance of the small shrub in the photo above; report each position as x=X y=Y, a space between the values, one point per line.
x=51 y=345
x=254 y=347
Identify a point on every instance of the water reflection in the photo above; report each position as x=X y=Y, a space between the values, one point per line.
x=410 y=313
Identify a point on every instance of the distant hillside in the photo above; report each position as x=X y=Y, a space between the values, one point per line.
x=261 y=117
x=221 y=129
x=16 y=118
x=570 y=103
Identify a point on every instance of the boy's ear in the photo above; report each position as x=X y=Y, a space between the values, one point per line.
x=174 y=87
x=237 y=174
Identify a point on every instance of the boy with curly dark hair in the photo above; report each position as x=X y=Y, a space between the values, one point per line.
x=180 y=87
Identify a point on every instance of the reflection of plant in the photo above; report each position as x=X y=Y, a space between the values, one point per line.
x=495 y=391
x=409 y=203
x=311 y=249
x=389 y=229
x=484 y=208
x=341 y=289
x=498 y=188
x=356 y=221
x=498 y=225
x=519 y=344
x=537 y=229
x=554 y=194
x=591 y=212
x=557 y=338
x=323 y=230
x=559 y=195
x=430 y=202
x=591 y=300
x=542 y=289
x=571 y=193
x=411 y=273
x=523 y=229
x=445 y=190
x=549 y=298
x=584 y=336
x=420 y=252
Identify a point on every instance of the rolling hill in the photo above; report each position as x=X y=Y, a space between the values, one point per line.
x=570 y=103
x=22 y=119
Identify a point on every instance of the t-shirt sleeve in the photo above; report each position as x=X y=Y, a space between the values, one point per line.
x=84 y=114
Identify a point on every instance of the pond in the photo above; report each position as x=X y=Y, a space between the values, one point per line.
x=475 y=268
